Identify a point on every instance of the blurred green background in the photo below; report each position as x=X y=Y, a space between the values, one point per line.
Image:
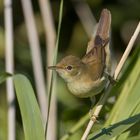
x=73 y=40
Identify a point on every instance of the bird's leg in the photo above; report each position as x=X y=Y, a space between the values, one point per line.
x=111 y=79
x=93 y=100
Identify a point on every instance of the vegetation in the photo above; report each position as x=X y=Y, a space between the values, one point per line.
x=120 y=117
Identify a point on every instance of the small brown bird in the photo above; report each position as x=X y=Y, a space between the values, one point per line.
x=88 y=76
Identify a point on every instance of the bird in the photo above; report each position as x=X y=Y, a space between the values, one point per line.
x=87 y=76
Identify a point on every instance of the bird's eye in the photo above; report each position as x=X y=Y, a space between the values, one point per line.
x=69 y=67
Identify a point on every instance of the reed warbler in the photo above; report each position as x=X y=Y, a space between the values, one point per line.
x=88 y=76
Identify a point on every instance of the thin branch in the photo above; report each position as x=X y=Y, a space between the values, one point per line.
x=126 y=53
x=105 y=95
x=50 y=34
x=36 y=56
x=9 y=53
x=85 y=15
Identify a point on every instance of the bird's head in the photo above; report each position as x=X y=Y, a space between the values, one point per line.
x=69 y=68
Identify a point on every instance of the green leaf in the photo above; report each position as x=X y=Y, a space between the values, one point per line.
x=31 y=116
x=118 y=128
x=4 y=76
x=58 y=32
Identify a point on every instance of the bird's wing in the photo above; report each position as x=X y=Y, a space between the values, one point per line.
x=96 y=57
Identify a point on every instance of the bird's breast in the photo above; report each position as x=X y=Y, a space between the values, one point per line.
x=84 y=89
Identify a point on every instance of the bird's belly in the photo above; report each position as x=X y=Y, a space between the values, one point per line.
x=85 y=90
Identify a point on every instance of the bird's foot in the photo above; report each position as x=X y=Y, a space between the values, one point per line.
x=112 y=80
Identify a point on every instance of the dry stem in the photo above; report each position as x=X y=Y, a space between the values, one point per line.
x=36 y=56
x=9 y=56
x=117 y=71
x=85 y=15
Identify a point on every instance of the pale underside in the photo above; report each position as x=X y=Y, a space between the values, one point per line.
x=82 y=90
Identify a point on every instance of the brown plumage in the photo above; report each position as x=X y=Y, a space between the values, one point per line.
x=87 y=77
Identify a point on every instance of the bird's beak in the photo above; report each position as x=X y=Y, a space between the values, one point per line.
x=54 y=67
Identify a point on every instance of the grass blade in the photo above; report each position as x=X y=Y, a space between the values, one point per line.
x=53 y=76
x=31 y=115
